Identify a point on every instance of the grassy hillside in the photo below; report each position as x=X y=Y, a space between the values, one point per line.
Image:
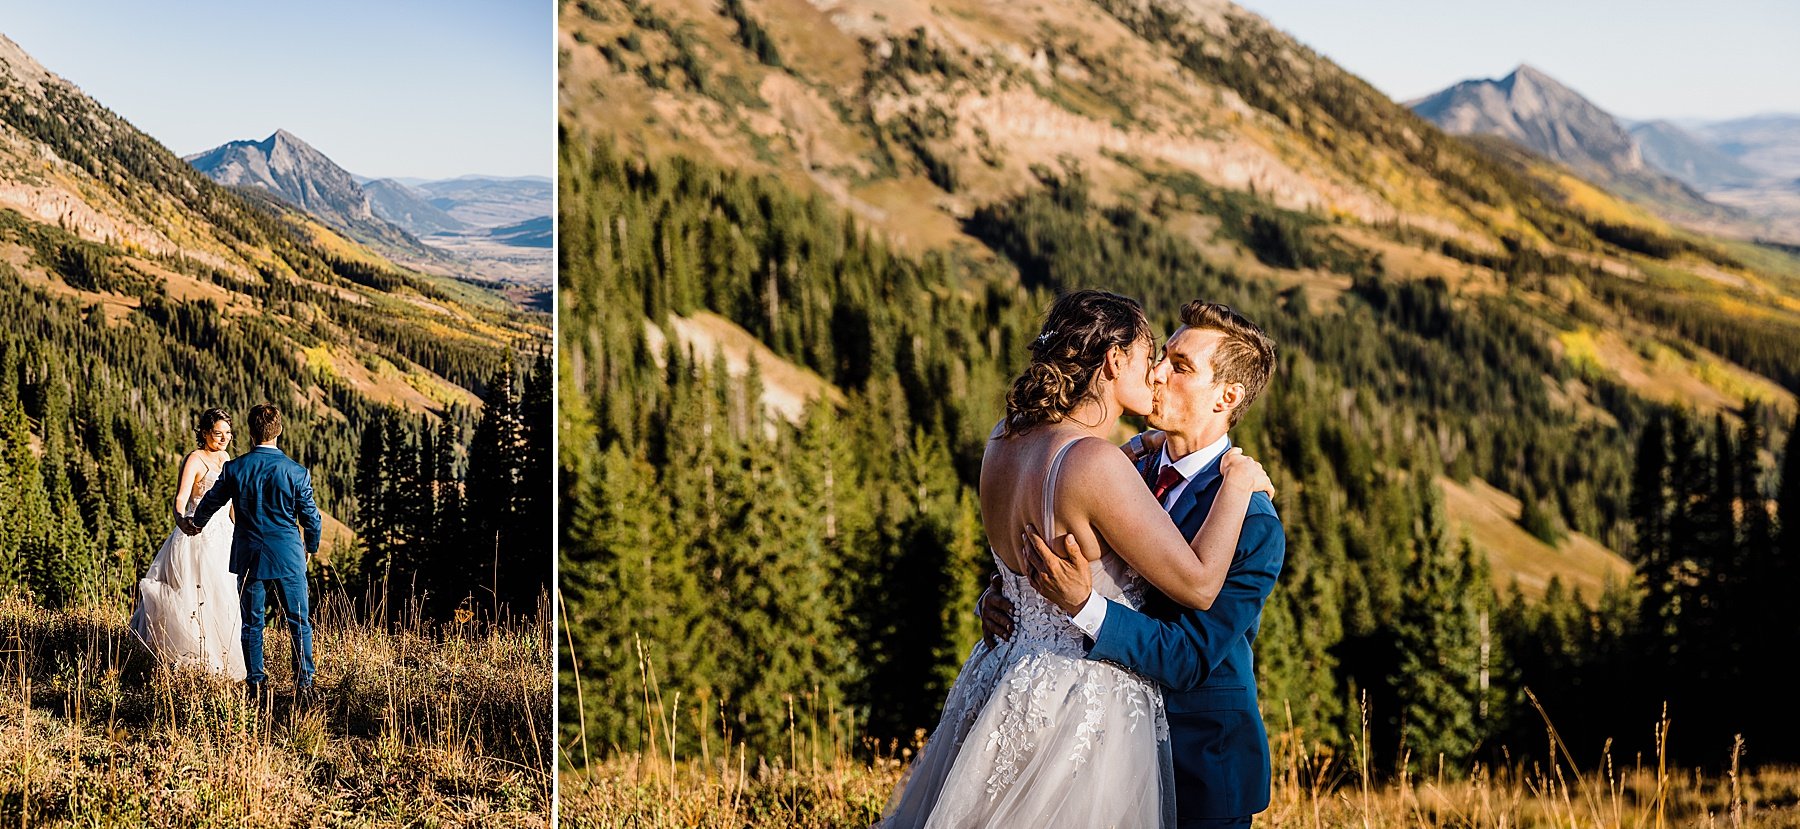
x=414 y=726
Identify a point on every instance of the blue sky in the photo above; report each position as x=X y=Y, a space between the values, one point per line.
x=1638 y=59
x=423 y=88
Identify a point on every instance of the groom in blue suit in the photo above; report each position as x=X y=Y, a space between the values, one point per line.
x=274 y=503
x=1214 y=367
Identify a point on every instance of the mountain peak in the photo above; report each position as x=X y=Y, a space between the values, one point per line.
x=1526 y=71
x=292 y=170
x=281 y=140
x=22 y=67
x=1531 y=108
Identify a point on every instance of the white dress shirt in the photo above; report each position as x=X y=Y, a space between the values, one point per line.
x=1093 y=613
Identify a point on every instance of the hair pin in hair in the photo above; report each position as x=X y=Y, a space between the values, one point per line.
x=1045 y=337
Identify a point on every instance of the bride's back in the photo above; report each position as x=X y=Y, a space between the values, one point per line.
x=1015 y=471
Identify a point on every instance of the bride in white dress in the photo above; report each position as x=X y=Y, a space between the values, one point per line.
x=1033 y=733
x=187 y=611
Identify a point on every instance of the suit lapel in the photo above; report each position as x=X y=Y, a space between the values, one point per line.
x=1198 y=489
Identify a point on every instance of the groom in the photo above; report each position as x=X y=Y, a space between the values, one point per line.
x=274 y=500
x=1214 y=367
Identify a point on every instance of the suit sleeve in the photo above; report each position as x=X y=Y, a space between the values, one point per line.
x=310 y=520
x=223 y=490
x=1182 y=652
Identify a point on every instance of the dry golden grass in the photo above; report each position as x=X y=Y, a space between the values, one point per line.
x=411 y=728
x=819 y=785
x=644 y=792
x=648 y=792
x=1310 y=793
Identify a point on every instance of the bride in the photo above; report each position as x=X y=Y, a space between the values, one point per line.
x=187 y=611
x=1033 y=733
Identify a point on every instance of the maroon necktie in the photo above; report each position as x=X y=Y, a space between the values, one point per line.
x=1165 y=481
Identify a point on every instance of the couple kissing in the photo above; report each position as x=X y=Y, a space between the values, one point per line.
x=1115 y=683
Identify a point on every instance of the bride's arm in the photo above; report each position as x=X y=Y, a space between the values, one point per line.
x=1131 y=522
x=191 y=468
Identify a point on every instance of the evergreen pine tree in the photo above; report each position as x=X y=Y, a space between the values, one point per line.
x=493 y=488
x=1439 y=643
x=525 y=583
x=1782 y=634
x=372 y=518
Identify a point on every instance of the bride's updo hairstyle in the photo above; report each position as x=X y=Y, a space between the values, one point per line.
x=1067 y=355
x=205 y=423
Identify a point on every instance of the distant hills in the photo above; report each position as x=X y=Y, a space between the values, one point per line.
x=490 y=201
x=408 y=208
x=531 y=233
x=443 y=226
x=1736 y=177
x=1688 y=157
x=455 y=205
x=503 y=224
x=1767 y=143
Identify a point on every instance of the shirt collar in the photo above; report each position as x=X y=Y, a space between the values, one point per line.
x=1194 y=462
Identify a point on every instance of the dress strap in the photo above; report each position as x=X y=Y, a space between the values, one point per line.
x=1049 y=525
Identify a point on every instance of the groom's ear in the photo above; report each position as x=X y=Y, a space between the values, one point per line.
x=1231 y=396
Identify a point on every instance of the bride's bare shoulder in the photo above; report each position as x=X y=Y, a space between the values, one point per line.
x=1096 y=460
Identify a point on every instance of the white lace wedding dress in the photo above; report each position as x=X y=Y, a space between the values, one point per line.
x=1035 y=734
x=187 y=609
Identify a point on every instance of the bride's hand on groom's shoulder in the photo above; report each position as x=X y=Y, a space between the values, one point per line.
x=1244 y=471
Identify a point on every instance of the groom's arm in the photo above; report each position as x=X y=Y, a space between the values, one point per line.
x=223 y=490
x=311 y=523
x=1182 y=653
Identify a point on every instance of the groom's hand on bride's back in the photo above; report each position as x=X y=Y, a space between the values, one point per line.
x=995 y=610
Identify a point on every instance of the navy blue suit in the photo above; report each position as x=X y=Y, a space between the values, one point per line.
x=1204 y=662
x=274 y=498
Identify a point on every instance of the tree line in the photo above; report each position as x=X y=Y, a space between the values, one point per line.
x=452 y=516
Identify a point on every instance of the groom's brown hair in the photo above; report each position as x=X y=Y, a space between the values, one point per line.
x=265 y=422
x=1246 y=355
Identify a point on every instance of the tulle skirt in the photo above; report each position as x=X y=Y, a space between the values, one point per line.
x=187 y=611
x=1034 y=737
